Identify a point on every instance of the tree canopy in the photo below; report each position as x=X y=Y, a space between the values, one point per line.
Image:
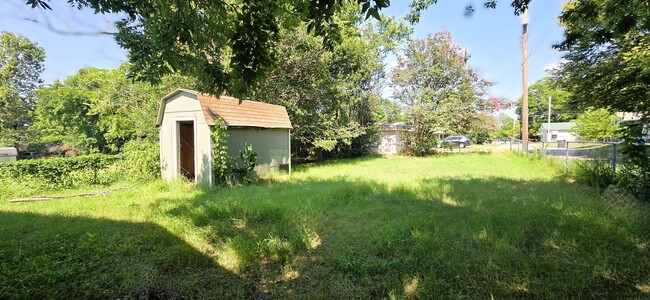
x=438 y=88
x=596 y=125
x=607 y=44
x=100 y=110
x=332 y=94
x=225 y=45
x=21 y=65
x=538 y=95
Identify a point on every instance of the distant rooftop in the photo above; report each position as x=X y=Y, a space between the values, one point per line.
x=399 y=126
x=559 y=126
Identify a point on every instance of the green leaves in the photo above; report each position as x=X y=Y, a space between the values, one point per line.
x=607 y=60
x=439 y=90
x=248 y=157
x=57 y=172
x=100 y=110
x=538 y=94
x=222 y=162
x=21 y=65
x=596 y=125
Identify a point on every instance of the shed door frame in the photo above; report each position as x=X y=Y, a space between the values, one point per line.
x=177 y=143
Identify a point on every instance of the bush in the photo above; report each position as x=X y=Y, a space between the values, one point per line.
x=418 y=144
x=58 y=172
x=249 y=159
x=141 y=159
x=222 y=162
x=594 y=173
x=635 y=180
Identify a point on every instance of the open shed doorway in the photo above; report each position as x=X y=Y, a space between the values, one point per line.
x=186 y=149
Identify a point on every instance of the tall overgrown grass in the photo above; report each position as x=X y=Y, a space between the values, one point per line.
x=453 y=226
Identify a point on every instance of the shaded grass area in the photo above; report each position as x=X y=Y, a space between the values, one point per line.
x=470 y=226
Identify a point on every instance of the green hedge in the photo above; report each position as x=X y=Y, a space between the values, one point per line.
x=58 y=171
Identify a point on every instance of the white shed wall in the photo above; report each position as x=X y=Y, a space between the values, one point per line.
x=272 y=146
x=390 y=142
x=185 y=107
x=562 y=135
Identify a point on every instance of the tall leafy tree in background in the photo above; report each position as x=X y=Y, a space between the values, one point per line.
x=596 y=125
x=607 y=44
x=332 y=94
x=508 y=126
x=100 y=110
x=538 y=95
x=225 y=45
x=438 y=88
x=21 y=65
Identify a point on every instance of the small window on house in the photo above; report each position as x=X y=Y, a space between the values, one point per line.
x=553 y=137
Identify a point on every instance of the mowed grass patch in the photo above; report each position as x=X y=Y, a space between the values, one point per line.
x=451 y=226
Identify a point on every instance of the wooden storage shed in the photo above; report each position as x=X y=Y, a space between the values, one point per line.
x=185 y=119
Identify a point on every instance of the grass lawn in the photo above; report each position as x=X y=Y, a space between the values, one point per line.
x=457 y=226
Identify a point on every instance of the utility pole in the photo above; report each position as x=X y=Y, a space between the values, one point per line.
x=548 y=128
x=524 y=105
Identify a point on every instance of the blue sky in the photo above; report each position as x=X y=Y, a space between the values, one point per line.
x=492 y=37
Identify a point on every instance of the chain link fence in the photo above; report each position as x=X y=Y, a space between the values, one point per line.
x=605 y=152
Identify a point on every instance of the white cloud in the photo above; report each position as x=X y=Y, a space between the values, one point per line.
x=554 y=65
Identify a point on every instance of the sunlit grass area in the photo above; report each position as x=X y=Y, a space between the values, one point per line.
x=451 y=226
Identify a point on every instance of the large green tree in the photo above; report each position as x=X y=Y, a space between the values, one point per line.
x=538 y=95
x=508 y=127
x=226 y=45
x=100 y=110
x=596 y=125
x=438 y=88
x=21 y=65
x=607 y=44
x=332 y=95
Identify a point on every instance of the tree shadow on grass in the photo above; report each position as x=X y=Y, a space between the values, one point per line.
x=58 y=257
x=476 y=238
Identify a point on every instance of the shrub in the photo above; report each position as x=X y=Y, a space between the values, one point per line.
x=249 y=159
x=418 y=144
x=594 y=173
x=141 y=159
x=636 y=180
x=222 y=162
x=59 y=172
x=635 y=172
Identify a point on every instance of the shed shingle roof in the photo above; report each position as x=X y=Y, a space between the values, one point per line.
x=245 y=114
x=234 y=114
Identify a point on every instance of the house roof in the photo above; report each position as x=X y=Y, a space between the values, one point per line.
x=235 y=114
x=399 y=126
x=559 y=126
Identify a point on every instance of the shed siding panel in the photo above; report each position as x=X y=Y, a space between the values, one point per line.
x=271 y=145
x=390 y=142
x=184 y=106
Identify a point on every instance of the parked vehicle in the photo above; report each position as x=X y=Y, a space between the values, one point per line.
x=458 y=140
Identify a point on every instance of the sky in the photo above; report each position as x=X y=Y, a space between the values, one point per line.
x=72 y=38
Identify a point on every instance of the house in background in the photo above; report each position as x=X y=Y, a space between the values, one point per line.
x=629 y=116
x=559 y=132
x=391 y=137
x=185 y=119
